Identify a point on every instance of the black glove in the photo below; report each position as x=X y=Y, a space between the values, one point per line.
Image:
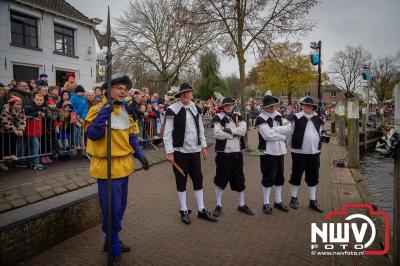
x=228 y=130
x=139 y=154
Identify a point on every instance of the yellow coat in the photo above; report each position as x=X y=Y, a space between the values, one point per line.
x=121 y=150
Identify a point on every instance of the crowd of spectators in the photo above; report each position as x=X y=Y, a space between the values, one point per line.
x=39 y=122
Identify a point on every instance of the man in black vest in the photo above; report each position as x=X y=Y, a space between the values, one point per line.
x=184 y=140
x=272 y=133
x=229 y=129
x=306 y=150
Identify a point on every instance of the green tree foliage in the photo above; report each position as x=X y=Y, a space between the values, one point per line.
x=233 y=83
x=252 y=76
x=210 y=80
x=285 y=70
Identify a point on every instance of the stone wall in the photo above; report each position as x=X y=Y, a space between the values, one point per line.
x=34 y=228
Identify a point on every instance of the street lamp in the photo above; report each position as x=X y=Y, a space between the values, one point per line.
x=315 y=58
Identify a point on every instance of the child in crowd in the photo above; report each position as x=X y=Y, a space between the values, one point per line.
x=70 y=85
x=56 y=117
x=35 y=113
x=43 y=91
x=81 y=107
x=154 y=98
x=64 y=96
x=54 y=93
x=12 y=128
x=65 y=129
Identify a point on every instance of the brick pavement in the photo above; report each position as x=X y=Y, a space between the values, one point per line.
x=152 y=225
x=22 y=186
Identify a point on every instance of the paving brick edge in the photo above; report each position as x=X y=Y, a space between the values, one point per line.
x=53 y=206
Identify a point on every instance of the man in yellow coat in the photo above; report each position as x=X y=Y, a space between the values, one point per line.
x=124 y=144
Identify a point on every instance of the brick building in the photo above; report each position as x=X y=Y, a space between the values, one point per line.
x=331 y=94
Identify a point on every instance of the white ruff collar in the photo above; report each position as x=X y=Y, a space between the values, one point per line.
x=121 y=121
x=177 y=106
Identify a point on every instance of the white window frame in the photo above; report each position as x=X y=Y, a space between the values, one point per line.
x=41 y=67
x=29 y=12
x=70 y=25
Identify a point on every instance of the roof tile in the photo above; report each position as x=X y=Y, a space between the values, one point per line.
x=59 y=6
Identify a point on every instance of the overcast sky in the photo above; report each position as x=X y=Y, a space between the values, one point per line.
x=373 y=24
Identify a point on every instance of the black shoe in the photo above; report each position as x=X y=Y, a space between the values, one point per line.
x=124 y=248
x=314 y=205
x=206 y=215
x=267 y=209
x=294 y=203
x=245 y=209
x=185 y=218
x=117 y=258
x=281 y=206
x=217 y=211
x=21 y=164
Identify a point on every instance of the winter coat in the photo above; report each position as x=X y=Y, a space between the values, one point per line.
x=81 y=106
x=12 y=119
x=34 y=127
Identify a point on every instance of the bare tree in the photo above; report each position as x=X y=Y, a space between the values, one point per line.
x=383 y=72
x=347 y=67
x=248 y=25
x=148 y=34
x=191 y=74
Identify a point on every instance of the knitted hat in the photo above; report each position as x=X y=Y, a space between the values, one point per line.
x=51 y=101
x=79 y=88
x=14 y=99
x=70 y=74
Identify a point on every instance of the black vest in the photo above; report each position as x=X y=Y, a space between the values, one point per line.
x=300 y=125
x=220 y=144
x=178 y=133
x=259 y=121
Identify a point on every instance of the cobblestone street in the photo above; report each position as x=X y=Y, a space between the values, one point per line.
x=22 y=186
x=152 y=225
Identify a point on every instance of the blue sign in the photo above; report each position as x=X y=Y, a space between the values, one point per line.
x=366 y=75
x=314 y=59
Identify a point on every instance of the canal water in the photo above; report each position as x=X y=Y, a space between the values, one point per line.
x=379 y=172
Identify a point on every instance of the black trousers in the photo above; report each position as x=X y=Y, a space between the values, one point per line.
x=272 y=167
x=308 y=163
x=8 y=144
x=229 y=169
x=191 y=165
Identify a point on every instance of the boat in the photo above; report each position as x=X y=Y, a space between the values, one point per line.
x=389 y=144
